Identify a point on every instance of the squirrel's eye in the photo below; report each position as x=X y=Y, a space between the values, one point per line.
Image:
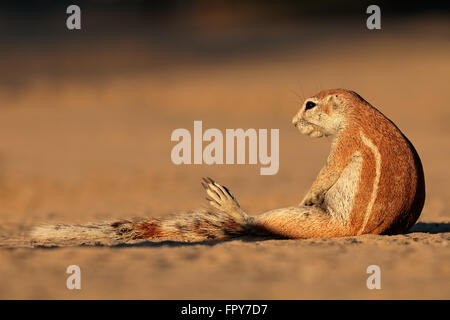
x=309 y=105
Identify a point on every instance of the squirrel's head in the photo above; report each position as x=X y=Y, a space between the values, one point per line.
x=324 y=114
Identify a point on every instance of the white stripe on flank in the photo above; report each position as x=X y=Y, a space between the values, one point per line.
x=377 y=155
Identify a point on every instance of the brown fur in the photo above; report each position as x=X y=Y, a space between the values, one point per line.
x=150 y=229
x=385 y=195
x=399 y=195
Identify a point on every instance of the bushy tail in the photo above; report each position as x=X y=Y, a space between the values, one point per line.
x=224 y=220
x=66 y=232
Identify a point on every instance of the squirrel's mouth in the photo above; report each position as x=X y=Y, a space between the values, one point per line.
x=308 y=128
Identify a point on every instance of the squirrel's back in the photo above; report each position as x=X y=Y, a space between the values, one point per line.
x=389 y=191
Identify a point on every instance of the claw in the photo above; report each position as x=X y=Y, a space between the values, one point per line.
x=212 y=202
x=218 y=186
x=213 y=194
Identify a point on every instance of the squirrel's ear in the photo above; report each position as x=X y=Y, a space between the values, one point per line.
x=334 y=101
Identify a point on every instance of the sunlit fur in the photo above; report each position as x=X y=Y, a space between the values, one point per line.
x=372 y=182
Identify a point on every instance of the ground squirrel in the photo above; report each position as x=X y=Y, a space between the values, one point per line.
x=372 y=182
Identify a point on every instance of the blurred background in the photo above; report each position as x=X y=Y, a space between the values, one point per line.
x=86 y=118
x=86 y=115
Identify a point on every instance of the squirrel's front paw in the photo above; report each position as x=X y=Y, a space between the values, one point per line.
x=313 y=199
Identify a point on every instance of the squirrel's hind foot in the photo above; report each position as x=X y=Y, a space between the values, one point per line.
x=220 y=197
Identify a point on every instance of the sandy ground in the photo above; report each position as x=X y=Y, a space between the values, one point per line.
x=92 y=149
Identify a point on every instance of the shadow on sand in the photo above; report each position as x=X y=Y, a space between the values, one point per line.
x=423 y=227
x=430 y=227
